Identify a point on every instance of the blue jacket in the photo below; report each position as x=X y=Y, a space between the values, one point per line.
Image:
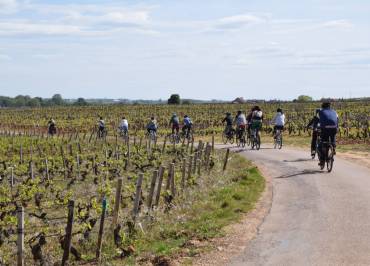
x=328 y=118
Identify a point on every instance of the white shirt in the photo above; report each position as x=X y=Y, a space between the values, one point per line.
x=124 y=123
x=241 y=120
x=279 y=119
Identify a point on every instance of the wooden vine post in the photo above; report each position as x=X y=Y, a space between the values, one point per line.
x=117 y=201
x=20 y=236
x=139 y=183
x=101 y=229
x=172 y=180
x=159 y=185
x=68 y=237
x=183 y=174
x=226 y=159
x=151 y=190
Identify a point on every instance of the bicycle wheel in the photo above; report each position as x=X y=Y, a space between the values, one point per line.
x=330 y=159
x=171 y=138
x=258 y=142
x=232 y=138
x=224 y=138
x=243 y=141
x=280 y=143
x=237 y=141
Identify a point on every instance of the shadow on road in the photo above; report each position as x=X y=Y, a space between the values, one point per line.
x=304 y=172
x=298 y=160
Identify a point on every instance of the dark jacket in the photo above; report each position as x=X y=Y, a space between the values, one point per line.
x=328 y=118
x=228 y=119
x=314 y=121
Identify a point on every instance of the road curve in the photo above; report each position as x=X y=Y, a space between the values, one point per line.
x=316 y=218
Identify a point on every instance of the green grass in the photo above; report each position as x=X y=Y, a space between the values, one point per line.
x=210 y=210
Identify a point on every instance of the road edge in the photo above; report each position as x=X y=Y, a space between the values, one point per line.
x=234 y=242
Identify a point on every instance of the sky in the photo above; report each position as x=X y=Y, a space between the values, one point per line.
x=208 y=49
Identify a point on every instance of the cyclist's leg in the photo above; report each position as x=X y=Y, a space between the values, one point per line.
x=325 y=137
x=313 y=142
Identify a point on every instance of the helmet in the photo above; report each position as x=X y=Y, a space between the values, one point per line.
x=239 y=112
x=279 y=110
x=256 y=108
x=228 y=113
x=174 y=114
x=325 y=104
x=185 y=116
x=152 y=118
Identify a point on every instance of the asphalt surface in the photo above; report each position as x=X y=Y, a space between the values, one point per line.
x=316 y=218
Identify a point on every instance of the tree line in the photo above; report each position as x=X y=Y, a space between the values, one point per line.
x=27 y=101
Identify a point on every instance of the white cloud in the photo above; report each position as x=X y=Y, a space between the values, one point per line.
x=342 y=24
x=21 y=28
x=236 y=22
x=4 y=57
x=75 y=20
x=8 y=6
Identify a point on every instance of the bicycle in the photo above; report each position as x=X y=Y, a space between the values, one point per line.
x=327 y=153
x=151 y=135
x=240 y=139
x=174 y=138
x=255 y=139
x=123 y=133
x=187 y=134
x=102 y=133
x=228 y=136
x=278 y=141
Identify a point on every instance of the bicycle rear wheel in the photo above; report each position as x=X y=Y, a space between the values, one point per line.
x=330 y=159
x=243 y=141
x=280 y=143
x=224 y=138
x=258 y=142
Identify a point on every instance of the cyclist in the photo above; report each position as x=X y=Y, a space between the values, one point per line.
x=314 y=123
x=101 y=125
x=278 y=121
x=52 y=130
x=256 y=119
x=229 y=123
x=249 y=122
x=188 y=124
x=152 y=125
x=241 y=122
x=328 y=120
x=123 y=126
x=175 y=122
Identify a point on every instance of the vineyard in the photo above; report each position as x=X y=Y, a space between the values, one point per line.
x=354 y=118
x=75 y=198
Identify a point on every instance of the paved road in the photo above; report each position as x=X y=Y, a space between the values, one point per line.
x=316 y=218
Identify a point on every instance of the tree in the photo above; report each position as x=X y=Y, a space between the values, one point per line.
x=174 y=99
x=304 y=98
x=57 y=99
x=81 y=102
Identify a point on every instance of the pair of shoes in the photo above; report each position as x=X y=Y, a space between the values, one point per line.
x=321 y=163
x=313 y=153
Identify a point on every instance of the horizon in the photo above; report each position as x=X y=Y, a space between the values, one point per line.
x=200 y=50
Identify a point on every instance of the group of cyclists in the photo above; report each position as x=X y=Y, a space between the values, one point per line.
x=251 y=124
x=324 y=125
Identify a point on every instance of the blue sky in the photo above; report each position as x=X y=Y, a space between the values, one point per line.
x=217 y=49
